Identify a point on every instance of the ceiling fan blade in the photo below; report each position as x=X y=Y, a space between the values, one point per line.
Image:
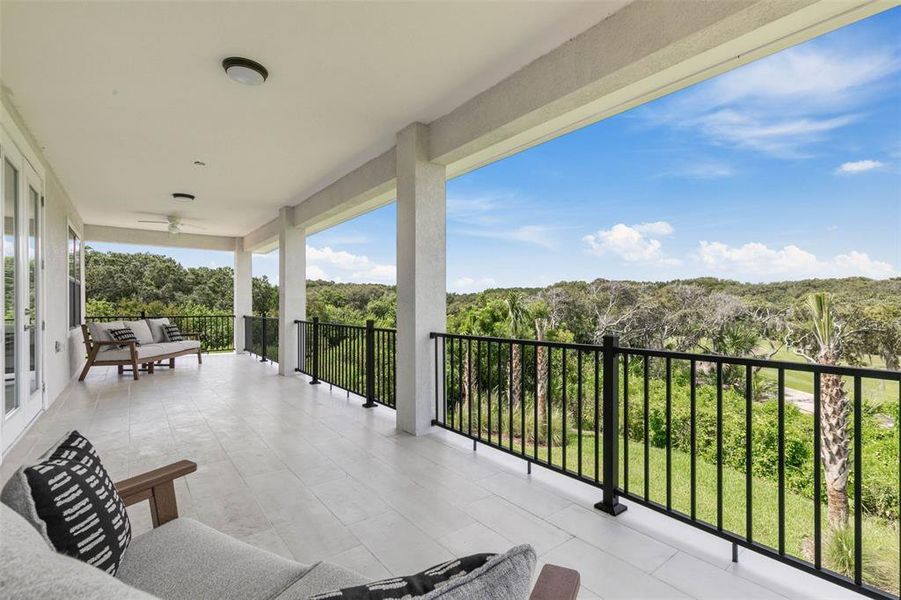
x=160 y=222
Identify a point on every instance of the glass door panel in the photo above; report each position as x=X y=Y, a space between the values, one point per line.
x=10 y=289
x=32 y=314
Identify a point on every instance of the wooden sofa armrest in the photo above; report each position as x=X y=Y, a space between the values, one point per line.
x=556 y=583
x=157 y=486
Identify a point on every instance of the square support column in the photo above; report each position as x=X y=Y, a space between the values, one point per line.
x=292 y=288
x=243 y=291
x=421 y=279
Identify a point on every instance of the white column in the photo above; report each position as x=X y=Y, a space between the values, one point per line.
x=243 y=302
x=421 y=281
x=292 y=288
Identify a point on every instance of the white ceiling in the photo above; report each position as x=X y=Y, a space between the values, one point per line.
x=124 y=96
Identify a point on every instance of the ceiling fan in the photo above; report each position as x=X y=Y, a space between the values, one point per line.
x=173 y=223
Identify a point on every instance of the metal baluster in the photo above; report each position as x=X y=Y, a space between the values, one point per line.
x=597 y=414
x=817 y=467
x=565 y=434
x=693 y=411
x=647 y=452
x=858 y=481
x=719 y=445
x=535 y=401
x=780 y=434
x=669 y=433
x=749 y=503
x=579 y=409
x=626 y=422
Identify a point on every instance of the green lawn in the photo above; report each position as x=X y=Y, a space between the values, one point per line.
x=880 y=537
x=874 y=391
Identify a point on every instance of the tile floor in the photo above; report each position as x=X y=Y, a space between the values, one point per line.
x=304 y=472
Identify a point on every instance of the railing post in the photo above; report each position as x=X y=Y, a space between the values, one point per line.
x=610 y=504
x=315 y=379
x=143 y=314
x=370 y=364
x=263 y=350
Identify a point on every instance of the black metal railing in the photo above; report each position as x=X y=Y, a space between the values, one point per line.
x=261 y=337
x=358 y=359
x=711 y=441
x=217 y=332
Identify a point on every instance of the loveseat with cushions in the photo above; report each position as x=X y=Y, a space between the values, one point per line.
x=150 y=347
x=182 y=559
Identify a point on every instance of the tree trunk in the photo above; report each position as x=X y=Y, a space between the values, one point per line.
x=516 y=371
x=835 y=447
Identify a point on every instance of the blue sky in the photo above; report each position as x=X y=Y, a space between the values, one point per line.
x=789 y=167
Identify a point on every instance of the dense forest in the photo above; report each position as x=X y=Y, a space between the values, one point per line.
x=706 y=314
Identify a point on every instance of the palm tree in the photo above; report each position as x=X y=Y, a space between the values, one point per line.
x=517 y=326
x=835 y=446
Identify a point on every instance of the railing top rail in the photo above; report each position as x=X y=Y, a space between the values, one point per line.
x=259 y=317
x=151 y=316
x=350 y=326
x=867 y=372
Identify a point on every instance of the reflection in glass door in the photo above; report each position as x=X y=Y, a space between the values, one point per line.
x=10 y=218
x=32 y=312
x=20 y=210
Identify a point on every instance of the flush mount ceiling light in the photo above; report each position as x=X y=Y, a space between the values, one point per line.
x=182 y=197
x=244 y=70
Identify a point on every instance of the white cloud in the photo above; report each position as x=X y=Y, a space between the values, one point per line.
x=469 y=284
x=784 y=103
x=345 y=266
x=758 y=262
x=858 y=166
x=632 y=243
x=316 y=272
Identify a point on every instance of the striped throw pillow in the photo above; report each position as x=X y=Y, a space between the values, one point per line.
x=410 y=586
x=123 y=334
x=78 y=505
x=172 y=333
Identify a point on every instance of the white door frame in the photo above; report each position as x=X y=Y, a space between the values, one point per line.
x=30 y=405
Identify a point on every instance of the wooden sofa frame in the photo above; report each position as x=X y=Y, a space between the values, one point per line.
x=148 y=362
x=158 y=487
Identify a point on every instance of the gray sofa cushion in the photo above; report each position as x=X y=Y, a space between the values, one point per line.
x=156 y=329
x=181 y=346
x=100 y=333
x=31 y=570
x=141 y=331
x=322 y=577
x=505 y=577
x=143 y=352
x=184 y=559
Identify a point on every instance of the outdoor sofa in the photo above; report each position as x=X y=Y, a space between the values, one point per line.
x=182 y=559
x=150 y=348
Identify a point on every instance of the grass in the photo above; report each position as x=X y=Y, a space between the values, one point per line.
x=874 y=391
x=881 y=542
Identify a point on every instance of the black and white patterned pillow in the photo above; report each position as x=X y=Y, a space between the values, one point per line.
x=172 y=333
x=79 y=505
x=123 y=334
x=420 y=584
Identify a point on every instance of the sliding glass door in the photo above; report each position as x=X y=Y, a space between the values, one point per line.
x=21 y=212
